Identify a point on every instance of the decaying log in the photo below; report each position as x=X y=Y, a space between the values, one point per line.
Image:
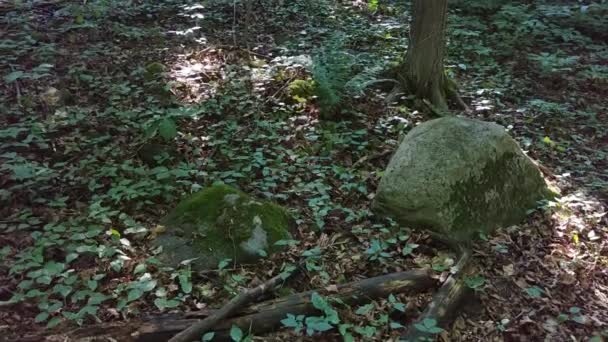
x=266 y=316
x=446 y=302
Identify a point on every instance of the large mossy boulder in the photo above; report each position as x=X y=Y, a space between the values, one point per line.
x=458 y=177
x=221 y=222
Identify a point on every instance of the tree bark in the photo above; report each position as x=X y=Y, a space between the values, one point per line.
x=422 y=72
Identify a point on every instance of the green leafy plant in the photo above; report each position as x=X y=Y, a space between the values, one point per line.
x=294 y=322
x=551 y=63
x=574 y=314
x=534 y=291
x=372 y=5
x=475 y=282
x=338 y=74
x=396 y=304
x=314 y=324
x=236 y=334
x=428 y=325
x=378 y=250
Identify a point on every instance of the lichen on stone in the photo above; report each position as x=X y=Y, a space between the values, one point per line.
x=458 y=177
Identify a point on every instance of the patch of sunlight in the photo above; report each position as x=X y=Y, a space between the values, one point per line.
x=579 y=213
x=198 y=73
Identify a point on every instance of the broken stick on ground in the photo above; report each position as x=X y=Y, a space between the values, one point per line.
x=244 y=298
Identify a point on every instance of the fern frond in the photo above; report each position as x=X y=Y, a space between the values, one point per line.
x=333 y=70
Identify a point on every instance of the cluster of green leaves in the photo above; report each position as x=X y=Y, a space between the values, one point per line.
x=513 y=27
x=574 y=314
x=314 y=324
x=387 y=243
x=376 y=318
x=330 y=319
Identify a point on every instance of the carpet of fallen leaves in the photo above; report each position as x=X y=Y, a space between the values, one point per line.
x=546 y=279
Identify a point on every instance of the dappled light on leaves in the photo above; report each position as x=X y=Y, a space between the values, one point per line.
x=113 y=112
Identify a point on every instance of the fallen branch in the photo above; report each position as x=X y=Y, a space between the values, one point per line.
x=265 y=316
x=443 y=308
x=244 y=298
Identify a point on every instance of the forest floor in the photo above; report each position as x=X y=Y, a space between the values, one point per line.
x=87 y=88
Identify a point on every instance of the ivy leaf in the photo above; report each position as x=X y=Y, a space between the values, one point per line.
x=428 y=325
x=53 y=322
x=409 y=248
x=294 y=322
x=63 y=290
x=319 y=302
x=53 y=268
x=164 y=303
x=367 y=331
x=236 y=334
x=134 y=294
x=395 y=325
x=92 y=285
x=290 y=321
x=399 y=307
x=145 y=283
x=117 y=265
x=41 y=317
x=71 y=257
x=208 y=337
x=365 y=309
x=580 y=319
x=475 y=282
x=222 y=264
x=317 y=324
x=184 y=282
x=140 y=268
x=534 y=291
x=45 y=280
x=13 y=76
x=167 y=129
x=96 y=298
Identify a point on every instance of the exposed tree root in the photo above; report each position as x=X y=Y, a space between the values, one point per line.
x=437 y=103
x=453 y=94
x=445 y=304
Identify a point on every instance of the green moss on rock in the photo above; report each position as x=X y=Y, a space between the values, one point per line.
x=222 y=222
x=154 y=70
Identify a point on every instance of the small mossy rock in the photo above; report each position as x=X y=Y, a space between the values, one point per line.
x=156 y=154
x=221 y=222
x=153 y=71
x=458 y=177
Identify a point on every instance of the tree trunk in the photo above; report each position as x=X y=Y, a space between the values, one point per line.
x=422 y=72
